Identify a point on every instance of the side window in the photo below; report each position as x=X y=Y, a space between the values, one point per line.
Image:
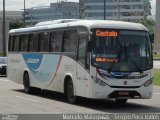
x=44 y=42
x=70 y=41
x=23 y=43
x=10 y=46
x=82 y=50
x=33 y=42
x=56 y=41
x=16 y=43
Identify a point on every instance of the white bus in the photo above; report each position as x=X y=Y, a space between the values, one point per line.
x=94 y=59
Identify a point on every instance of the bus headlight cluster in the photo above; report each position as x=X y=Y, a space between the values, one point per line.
x=149 y=82
x=98 y=81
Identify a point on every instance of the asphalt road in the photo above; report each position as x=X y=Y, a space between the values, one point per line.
x=14 y=100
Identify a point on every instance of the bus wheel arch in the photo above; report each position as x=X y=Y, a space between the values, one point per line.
x=69 y=89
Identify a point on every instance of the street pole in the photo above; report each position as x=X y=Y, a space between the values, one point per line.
x=104 y=9
x=4 y=29
x=24 y=16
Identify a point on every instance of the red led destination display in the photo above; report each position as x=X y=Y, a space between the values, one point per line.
x=106 y=33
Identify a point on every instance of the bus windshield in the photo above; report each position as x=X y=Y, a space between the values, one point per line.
x=121 y=50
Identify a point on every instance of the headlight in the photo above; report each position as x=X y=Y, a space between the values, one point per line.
x=149 y=82
x=98 y=81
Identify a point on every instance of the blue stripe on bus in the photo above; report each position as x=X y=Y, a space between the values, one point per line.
x=33 y=61
x=40 y=65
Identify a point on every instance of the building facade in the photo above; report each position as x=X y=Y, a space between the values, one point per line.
x=157 y=29
x=125 y=10
x=12 y=15
x=59 y=10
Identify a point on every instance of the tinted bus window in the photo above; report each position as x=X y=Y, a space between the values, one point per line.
x=44 y=39
x=56 y=41
x=10 y=47
x=82 y=50
x=33 y=42
x=23 y=43
x=70 y=41
x=16 y=43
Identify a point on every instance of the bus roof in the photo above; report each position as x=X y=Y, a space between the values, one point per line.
x=64 y=23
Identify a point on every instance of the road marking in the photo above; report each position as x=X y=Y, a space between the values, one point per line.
x=26 y=98
x=156 y=93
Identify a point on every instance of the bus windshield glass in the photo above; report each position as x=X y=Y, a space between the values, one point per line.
x=121 y=50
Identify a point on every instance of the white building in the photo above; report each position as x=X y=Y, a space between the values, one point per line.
x=59 y=10
x=127 y=10
x=12 y=15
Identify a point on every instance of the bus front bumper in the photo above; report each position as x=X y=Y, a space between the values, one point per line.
x=108 y=92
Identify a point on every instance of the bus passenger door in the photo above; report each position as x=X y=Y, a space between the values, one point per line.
x=80 y=67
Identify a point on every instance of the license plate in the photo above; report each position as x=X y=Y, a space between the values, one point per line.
x=123 y=93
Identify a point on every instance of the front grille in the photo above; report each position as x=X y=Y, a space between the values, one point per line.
x=132 y=94
x=125 y=86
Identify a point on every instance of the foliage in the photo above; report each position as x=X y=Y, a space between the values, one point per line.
x=16 y=24
x=156 y=56
x=2 y=54
x=156 y=77
x=150 y=24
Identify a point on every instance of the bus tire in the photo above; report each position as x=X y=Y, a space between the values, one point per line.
x=121 y=101
x=70 y=92
x=26 y=82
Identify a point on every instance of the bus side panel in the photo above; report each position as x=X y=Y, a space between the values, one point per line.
x=15 y=68
x=42 y=68
x=65 y=66
x=69 y=66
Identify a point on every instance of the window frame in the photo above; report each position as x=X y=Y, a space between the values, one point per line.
x=63 y=44
x=10 y=46
x=27 y=34
x=46 y=35
x=13 y=47
x=33 y=33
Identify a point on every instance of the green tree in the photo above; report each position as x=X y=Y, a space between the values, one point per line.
x=14 y=24
x=150 y=24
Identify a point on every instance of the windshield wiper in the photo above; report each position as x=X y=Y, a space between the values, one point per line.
x=132 y=61
x=110 y=68
x=119 y=56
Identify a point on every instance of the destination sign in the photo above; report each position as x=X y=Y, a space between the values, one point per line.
x=111 y=60
x=107 y=33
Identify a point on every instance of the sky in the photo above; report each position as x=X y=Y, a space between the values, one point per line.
x=19 y=4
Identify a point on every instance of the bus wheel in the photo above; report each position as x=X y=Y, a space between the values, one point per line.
x=121 y=101
x=70 y=92
x=26 y=84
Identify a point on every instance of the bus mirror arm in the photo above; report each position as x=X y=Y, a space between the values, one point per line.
x=89 y=46
x=152 y=38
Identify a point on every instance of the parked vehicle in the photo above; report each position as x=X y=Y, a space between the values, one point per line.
x=3 y=65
